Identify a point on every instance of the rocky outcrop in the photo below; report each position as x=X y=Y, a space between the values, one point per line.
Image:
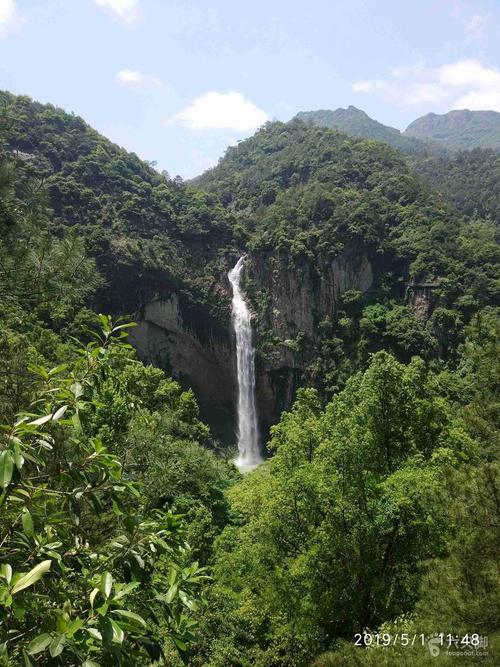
x=297 y=299
x=301 y=296
x=421 y=299
x=195 y=351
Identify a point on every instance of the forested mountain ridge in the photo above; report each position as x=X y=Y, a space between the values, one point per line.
x=345 y=225
x=152 y=238
x=469 y=179
x=459 y=129
x=143 y=228
x=466 y=172
x=357 y=123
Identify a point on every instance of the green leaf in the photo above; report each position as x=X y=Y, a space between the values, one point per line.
x=186 y=601
x=74 y=626
x=18 y=457
x=77 y=389
x=57 y=645
x=27 y=522
x=124 y=589
x=39 y=644
x=59 y=413
x=106 y=629
x=6 y=468
x=118 y=634
x=41 y=420
x=27 y=661
x=103 y=609
x=106 y=584
x=131 y=615
x=171 y=593
x=77 y=425
x=124 y=326
x=180 y=644
x=6 y=572
x=32 y=576
x=117 y=504
x=92 y=596
x=94 y=632
x=19 y=612
x=58 y=369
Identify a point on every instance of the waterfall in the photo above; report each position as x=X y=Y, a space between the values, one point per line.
x=248 y=430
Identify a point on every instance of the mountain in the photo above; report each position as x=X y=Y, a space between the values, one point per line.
x=459 y=129
x=332 y=226
x=155 y=241
x=468 y=179
x=357 y=123
x=145 y=230
x=337 y=227
x=455 y=130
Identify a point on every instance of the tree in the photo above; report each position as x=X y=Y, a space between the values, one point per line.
x=86 y=577
x=331 y=536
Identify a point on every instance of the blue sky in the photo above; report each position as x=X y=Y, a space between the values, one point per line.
x=176 y=81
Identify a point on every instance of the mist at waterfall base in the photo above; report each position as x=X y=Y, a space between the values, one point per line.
x=249 y=456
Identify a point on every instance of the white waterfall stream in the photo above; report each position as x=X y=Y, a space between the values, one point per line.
x=248 y=429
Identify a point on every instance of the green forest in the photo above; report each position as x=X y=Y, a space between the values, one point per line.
x=128 y=536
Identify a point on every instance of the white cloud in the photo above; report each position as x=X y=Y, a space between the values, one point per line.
x=124 y=11
x=424 y=93
x=9 y=17
x=137 y=80
x=463 y=84
x=474 y=28
x=369 y=86
x=469 y=73
x=223 y=111
x=480 y=99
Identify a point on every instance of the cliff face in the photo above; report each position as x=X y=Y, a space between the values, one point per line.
x=301 y=296
x=296 y=300
x=195 y=351
x=288 y=303
x=421 y=299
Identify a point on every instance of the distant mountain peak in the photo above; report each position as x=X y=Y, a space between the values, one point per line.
x=459 y=129
x=358 y=123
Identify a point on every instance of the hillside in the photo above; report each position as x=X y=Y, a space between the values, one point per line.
x=470 y=181
x=357 y=123
x=306 y=204
x=144 y=230
x=342 y=231
x=458 y=129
